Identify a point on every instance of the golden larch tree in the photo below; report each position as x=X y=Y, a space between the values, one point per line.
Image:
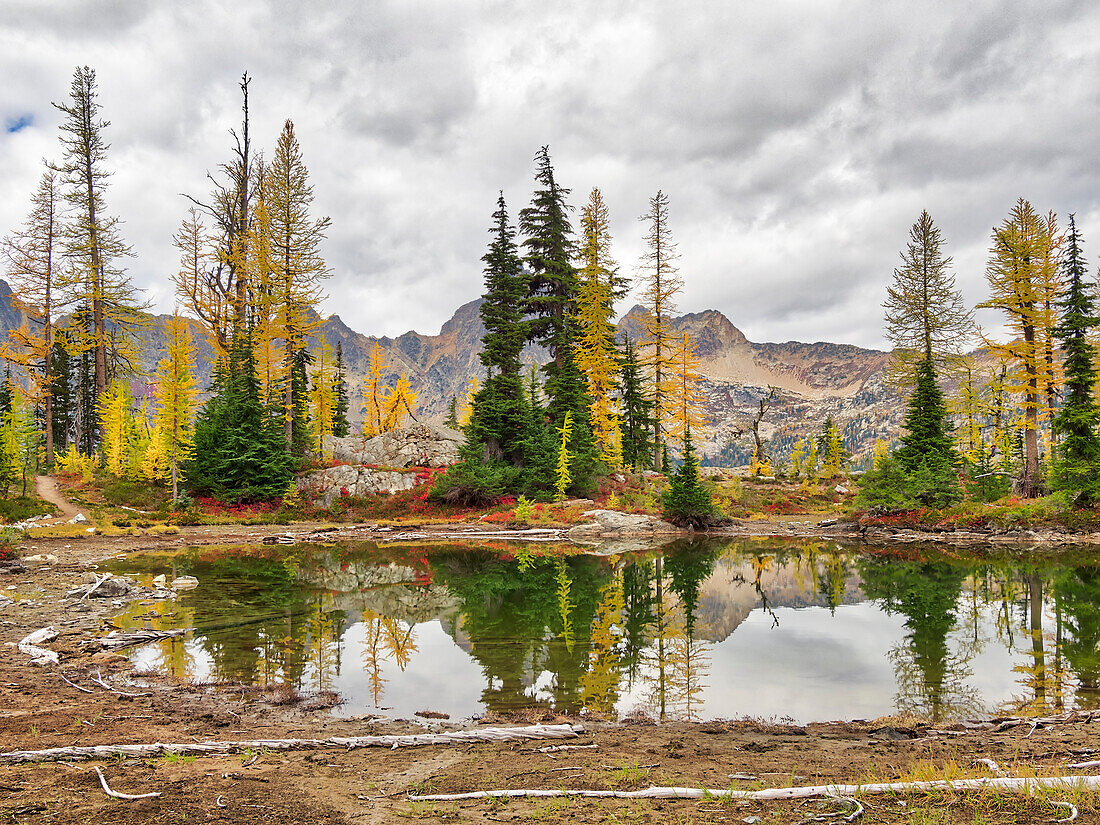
x=685 y=396
x=298 y=266
x=322 y=398
x=661 y=284
x=36 y=272
x=176 y=393
x=595 y=352
x=1018 y=288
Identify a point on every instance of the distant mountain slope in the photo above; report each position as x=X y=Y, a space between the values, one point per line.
x=813 y=380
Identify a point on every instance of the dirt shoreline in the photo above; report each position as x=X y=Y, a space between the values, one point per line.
x=39 y=710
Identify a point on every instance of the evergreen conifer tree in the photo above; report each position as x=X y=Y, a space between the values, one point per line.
x=1077 y=457
x=926 y=423
x=637 y=412
x=239 y=450
x=549 y=245
x=498 y=416
x=686 y=501
x=452 y=413
x=340 y=426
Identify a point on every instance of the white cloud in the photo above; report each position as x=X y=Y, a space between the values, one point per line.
x=797 y=141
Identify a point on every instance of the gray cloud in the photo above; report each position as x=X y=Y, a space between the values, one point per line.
x=797 y=141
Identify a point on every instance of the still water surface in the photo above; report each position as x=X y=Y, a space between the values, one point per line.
x=699 y=630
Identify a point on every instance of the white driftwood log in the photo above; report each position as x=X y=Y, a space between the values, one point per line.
x=1019 y=785
x=30 y=645
x=345 y=742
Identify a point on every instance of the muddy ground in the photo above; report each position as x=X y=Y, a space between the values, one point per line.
x=39 y=710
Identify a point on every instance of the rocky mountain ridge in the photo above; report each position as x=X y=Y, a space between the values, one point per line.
x=812 y=380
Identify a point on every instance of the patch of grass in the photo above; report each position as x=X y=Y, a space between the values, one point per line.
x=19 y=508
x=427 y=810
x=138 y=494
x=178 y=759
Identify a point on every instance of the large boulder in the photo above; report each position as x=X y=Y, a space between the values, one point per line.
x=613 y=524
x=418 y=445
x=329 y=484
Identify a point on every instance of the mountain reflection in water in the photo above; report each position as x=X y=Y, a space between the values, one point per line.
x=700 y=629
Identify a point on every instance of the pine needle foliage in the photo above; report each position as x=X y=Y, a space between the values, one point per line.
x=661 y=282
x=1077 y=457
x=926 y=316
x=1023 y=287
x=637 y=412
x=687 y=502
x=240 y=451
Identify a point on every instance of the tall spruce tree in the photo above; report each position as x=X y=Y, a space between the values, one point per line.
x=927 y=454
x=240 y=450
x=636 y=416
x=340 y=426
x=1077 y=457
x=552 y=280
x=499 y=413
x=551 y=303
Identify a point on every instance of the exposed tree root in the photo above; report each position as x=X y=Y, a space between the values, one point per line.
x=117 y=795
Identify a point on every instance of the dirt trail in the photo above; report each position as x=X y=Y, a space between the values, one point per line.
x=46 y=487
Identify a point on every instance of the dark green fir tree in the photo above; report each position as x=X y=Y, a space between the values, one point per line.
x=687 y=502
x=62 y=391
x=452 y=414
x=240 y=450
x=340 y=426
x=301 y=442
x=1077 y=456
x=549 y=246
x=636 y=420
x=499 y=411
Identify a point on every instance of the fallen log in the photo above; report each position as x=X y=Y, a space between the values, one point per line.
x=131 y=638
x=1018 y=785
x=334 y=742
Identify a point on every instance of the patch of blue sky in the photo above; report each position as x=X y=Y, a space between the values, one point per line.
x=17 y=124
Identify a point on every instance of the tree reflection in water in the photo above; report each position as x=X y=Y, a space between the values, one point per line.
x=573 y=633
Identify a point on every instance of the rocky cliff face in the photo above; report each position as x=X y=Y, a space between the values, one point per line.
x=812 y=381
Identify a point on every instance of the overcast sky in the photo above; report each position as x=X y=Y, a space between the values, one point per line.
x=797 y=141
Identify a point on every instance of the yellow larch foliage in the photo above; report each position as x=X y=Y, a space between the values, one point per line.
x=322 y=398
x=596 y=355
x=298 y=266
x=373 y=392
x=115 y=424
x=263 y=294
x=600 y=682
x=398 y=403
x=176 y=395
x=468 y=401
x=1022 y=276
x=881 y=451
x=562 y=476
x=36 y=272
x=970 y=408
x=685 y=397
x=661 y=283
x=197 y=283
